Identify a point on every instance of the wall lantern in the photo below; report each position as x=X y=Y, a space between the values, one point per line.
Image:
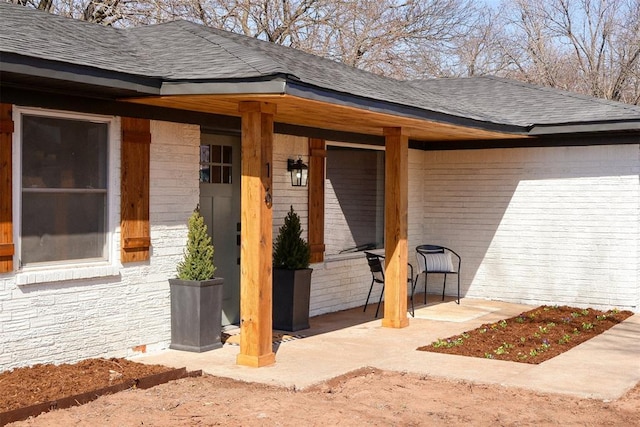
x=299 y=172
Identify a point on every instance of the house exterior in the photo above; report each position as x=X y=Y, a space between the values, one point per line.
x=109 y=138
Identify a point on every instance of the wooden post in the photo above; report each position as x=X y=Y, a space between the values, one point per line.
x=256 y=235
x=395 y=236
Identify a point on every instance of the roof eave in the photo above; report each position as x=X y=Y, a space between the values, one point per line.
x=289 y=85
x=77 y=74
x=349 y=100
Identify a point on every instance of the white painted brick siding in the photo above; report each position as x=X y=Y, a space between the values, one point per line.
x=539 y=225
x=65 y=321
x=284 y=195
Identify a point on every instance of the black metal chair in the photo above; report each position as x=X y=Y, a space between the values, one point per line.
x=377 y=276
x=433 y=259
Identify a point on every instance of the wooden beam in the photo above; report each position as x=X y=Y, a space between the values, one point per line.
x=327 y=115
x=256 y=235
x=317 y=156
x=395 y=241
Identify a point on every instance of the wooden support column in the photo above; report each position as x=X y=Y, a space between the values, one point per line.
x=395 y=235
x=256 y=235
x=317 y=156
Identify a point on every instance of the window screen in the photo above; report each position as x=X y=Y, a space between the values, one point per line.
x=64 y=189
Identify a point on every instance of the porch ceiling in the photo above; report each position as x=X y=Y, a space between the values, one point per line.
x=325 y=115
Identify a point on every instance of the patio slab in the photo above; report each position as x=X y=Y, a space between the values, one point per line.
x=604 y=367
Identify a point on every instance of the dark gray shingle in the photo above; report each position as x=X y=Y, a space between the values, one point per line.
x=184 y=51
x=38 y=34
x=514 y=102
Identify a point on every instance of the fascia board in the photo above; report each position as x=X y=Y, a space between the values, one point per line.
x=53 y=70
x=223 y=88
x=624 y=126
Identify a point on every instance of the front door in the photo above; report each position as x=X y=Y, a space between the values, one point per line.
x=220 y=207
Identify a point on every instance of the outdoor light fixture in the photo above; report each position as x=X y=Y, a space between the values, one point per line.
x=299 y=172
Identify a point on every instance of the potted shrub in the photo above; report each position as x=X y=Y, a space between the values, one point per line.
x=291 y=276
x=196 y=295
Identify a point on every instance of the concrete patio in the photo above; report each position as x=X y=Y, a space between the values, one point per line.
x=604 y=367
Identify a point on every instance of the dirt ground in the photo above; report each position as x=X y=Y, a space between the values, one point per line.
x=364 y=397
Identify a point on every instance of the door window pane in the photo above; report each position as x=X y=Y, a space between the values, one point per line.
x=216 y=174
x=226 y=174
x=204 y=154
x=216 y=154
x=226 y=154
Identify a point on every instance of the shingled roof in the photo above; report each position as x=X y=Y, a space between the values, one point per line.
x=525 y=104
x=181 y=57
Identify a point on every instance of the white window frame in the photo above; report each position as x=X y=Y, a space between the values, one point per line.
x=73 y=269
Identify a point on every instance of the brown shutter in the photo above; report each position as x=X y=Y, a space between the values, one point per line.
x=317 y=155
x=135 y=238
x=6 y=218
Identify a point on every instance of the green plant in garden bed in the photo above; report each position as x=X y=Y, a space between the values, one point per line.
x=531 y=337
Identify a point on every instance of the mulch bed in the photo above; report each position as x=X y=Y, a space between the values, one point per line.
x=531 y=337
x=29 y=391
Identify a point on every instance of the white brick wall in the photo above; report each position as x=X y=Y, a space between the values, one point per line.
x=339 y=284
x=416 y=201
x=284 y=195
x=539 y=225
x=65 y=321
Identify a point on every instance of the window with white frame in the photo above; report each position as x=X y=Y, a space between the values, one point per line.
x=63 y=188
x=354 y=199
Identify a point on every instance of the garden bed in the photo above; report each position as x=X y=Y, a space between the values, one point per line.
x=531 y=337
x=29 y=391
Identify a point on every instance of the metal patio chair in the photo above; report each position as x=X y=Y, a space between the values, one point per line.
x=376 y=266
x=433 y=259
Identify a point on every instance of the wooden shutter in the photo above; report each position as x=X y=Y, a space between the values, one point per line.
x=317 y=156
x=135 y=238
x=6 y=218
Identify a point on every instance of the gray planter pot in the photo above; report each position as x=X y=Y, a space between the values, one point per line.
x=291 y=294
x=196 y=314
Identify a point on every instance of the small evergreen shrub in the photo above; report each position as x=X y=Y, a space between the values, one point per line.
x=198 y=255
x=290 y=251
